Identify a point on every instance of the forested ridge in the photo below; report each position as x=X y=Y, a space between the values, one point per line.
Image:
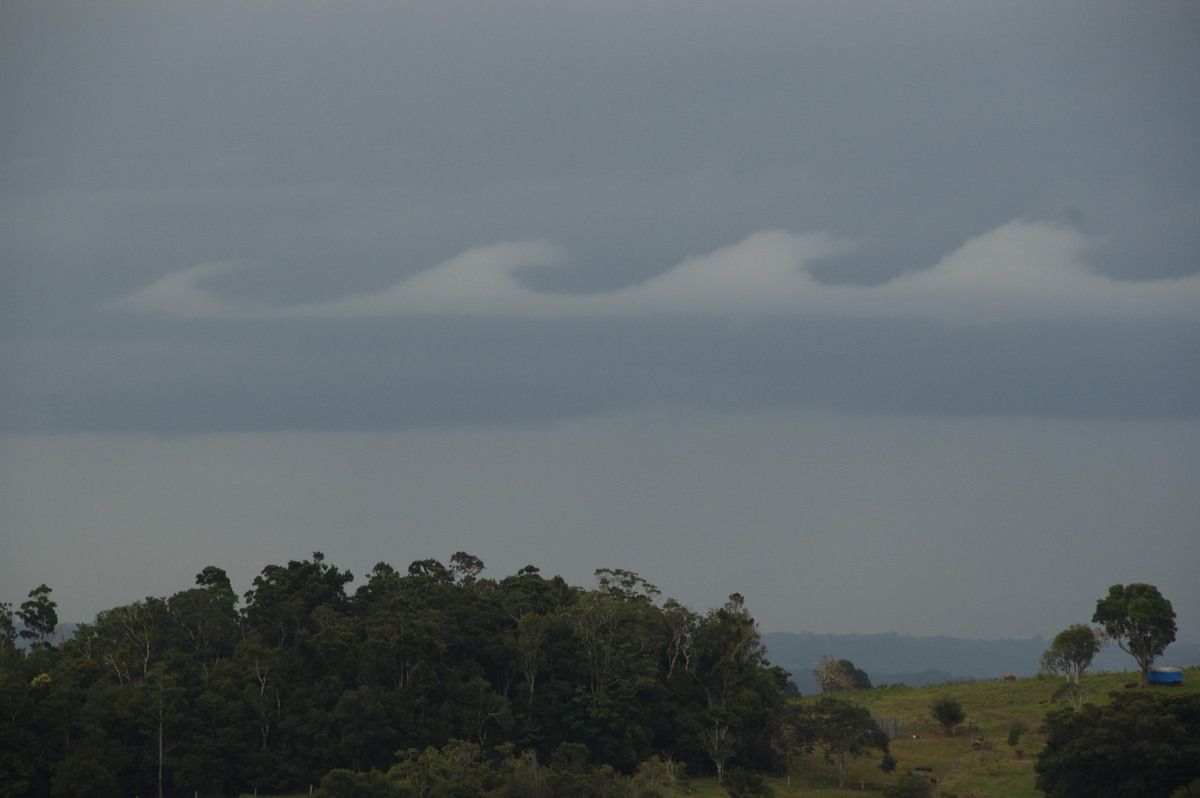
x=205 y=692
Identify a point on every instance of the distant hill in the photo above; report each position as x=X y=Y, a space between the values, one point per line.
x=917 y=661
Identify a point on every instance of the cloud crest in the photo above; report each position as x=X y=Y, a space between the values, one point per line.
x=1019 y=271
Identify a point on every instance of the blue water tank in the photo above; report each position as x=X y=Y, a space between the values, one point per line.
x=1165 y=676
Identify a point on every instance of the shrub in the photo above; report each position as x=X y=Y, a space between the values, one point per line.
x=341 y=783
x=746 y=784
x=948 y=712
x=1190 y=791
x=1014 y=733
x=909 y=786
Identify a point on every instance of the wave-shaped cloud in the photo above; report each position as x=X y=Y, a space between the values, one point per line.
x=1022 y=270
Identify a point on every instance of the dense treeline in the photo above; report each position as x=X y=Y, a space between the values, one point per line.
x=1140 y=744
x=201 y=692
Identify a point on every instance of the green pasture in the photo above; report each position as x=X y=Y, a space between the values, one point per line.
x=991 y=707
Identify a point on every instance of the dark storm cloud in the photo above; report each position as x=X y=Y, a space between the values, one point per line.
x=446 y=374
x=333 y=142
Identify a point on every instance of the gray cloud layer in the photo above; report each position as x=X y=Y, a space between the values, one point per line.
x=975 y=527
x=1018 y=272
x=626 y=278
x=220 y=216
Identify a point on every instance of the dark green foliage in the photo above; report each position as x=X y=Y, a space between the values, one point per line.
x=1141 y=744
x=523 y=686
x=839 y=675
x=1072 y=651
x=1069 y=693
x=747 y=784
x=839 y=729
x=8 y=629
x=909 y=785
x=212 y=576
x=280 y=606
x=1014 y=733
x=38 y=616
x=659 y=778
x=342 y=783
x=1139 y=619
x=948 y=712
x=1190 y=791
x=859 y=679
x=453 y=771
x=571 y=773
x=741 y=694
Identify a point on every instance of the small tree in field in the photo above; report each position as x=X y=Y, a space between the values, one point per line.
x=948 y=712
x=1015 y=730
x=1069 y=693
x=1073 y=650
x=839 y=675
x=719 y=746
x=841 y=730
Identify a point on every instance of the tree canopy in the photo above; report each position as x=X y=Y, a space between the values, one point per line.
x=839 y=675
x=1140 y=620
x=948 y=712
x=543 y=682
x=841 y=730
x=1072 y=651
x=1143 y=743
x=38 y=616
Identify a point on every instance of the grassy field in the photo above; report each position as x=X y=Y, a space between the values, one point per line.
x=991 y=708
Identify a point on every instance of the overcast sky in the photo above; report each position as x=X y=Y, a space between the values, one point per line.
x=885 y=315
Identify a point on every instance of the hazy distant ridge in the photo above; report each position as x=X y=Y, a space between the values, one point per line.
x=893 y=658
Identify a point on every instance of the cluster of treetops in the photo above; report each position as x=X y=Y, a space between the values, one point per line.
x=433 y=682
x=201 y=692
x=1140 y=743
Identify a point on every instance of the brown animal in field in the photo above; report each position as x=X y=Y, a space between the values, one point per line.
x=1008 y=677
x=1130 y=685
